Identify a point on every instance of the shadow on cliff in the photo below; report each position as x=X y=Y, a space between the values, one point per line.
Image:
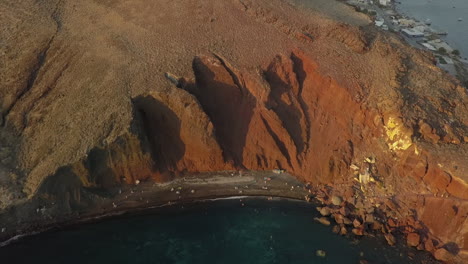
x=452 y=247
x=284 y=103
x=227 y=102
x=97 y=165
x=160 y=132
x=64 y=187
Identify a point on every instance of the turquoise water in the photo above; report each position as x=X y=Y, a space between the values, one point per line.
x=444 y=15
x=215 y=232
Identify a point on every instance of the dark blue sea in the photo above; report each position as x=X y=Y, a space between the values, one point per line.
x=221 y=231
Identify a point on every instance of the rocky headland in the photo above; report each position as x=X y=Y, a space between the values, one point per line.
x=97 y=97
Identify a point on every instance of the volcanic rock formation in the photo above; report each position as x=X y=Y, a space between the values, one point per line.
x=261 y=85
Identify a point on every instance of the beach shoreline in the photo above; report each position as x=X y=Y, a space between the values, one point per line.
x=150 y=195
x=137 y=211
x=145 y=209
x=388 y=17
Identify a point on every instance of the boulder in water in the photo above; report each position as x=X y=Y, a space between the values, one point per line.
x=321 y=253
x=323 y=221
x=390 y=239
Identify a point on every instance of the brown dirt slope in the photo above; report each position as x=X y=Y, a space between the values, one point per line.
x=263 y=84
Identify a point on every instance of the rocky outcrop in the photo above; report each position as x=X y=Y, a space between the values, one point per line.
x=87 y=107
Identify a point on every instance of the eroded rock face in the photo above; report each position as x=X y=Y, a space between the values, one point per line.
x=86 y=105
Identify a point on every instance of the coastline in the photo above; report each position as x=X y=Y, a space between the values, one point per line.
x=146 y=196
x=186 y=203
x=148 y=222
x=388 y=18
x=353 y=215
x=136 y=211
x=441 y=16
x=334 y=206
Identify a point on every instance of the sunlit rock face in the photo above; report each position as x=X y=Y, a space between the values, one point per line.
x=256 y=85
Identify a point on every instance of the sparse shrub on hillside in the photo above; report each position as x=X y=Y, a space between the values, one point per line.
x=442 y=50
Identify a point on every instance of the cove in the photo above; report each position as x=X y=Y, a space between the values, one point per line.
x=222 y=231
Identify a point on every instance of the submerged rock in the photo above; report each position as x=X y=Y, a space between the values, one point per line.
x=321 y=253
x=336 y=229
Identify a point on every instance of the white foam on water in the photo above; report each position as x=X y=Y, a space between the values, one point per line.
x=228 y=198
x=15 y=238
